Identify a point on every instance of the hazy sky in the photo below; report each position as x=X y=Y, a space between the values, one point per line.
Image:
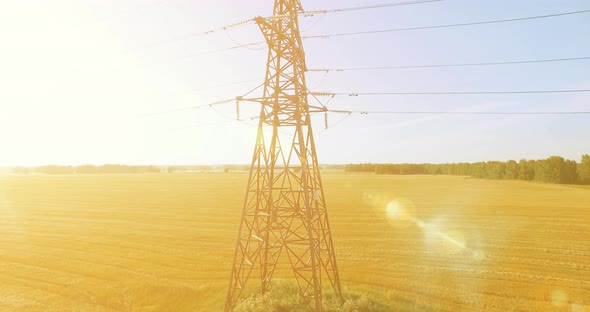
x=86 y=81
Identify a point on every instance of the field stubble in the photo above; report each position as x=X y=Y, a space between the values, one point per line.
x=161 y=242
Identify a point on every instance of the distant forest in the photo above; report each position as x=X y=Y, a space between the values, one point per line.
x=554 y=169
x=87 y=169
x=125 y=169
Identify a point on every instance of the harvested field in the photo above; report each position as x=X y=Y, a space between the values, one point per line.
x=164 y=242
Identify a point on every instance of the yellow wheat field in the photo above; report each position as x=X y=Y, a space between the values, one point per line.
x=165 y=242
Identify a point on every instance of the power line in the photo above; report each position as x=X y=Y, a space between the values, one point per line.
x=246 y=45
x=328 y=94
x=215 y=103
x=225 y=84
x=354 y=94
x=348 y=113
x=459 y=112
x=304 y=14
x=187 y=108
x=366 y=7
x=327 y=126
x=327 y=36
x=200 y=34
x=450 y=65
x=210 y=105
x=241 y=43
x=180 y=109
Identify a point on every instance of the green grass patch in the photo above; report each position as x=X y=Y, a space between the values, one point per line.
x=283 y=296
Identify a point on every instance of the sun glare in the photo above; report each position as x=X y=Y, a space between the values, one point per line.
x=402 y=213
x=294 y=155
x=559 y=298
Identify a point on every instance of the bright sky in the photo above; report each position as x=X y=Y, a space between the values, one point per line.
x=86 y=81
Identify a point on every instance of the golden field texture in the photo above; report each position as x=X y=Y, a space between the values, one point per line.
x=165 y=242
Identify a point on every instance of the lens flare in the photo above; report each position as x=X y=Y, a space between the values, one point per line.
x=559 y=298
x=478 y=255
x=449 y=242
x=401 y=213
x=453 y=242
x=394 y=210
x=578 y=307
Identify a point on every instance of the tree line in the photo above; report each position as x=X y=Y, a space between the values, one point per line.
x=116 y=168
x=87 y=169
x=554 y=169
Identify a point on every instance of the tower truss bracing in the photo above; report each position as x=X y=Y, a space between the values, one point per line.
x=284 y=212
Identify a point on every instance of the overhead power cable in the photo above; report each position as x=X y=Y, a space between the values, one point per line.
x=348 y=113
x=246 y=45
x=450 y=65
x=208 y=87
x=332 y=95
x=187 y=108
x=327 y=36
x=304 y=14
x=366 y=7
x=354 y=94
x=215 y=103
x=459 y=112
x=200 y=34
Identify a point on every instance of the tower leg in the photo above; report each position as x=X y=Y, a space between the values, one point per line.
x=284 y=208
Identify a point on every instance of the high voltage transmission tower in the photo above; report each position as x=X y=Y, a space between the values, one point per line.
x=284 y=210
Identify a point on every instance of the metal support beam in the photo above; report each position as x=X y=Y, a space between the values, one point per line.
x=284 y=208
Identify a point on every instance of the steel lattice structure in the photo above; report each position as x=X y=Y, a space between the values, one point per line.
x=284 y=209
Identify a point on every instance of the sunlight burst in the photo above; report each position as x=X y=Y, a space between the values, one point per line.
x=402 y=212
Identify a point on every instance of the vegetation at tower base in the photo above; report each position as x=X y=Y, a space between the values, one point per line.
x=283 y=297
x=554 y=169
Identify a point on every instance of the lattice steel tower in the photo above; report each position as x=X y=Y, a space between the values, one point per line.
x=284 y=209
